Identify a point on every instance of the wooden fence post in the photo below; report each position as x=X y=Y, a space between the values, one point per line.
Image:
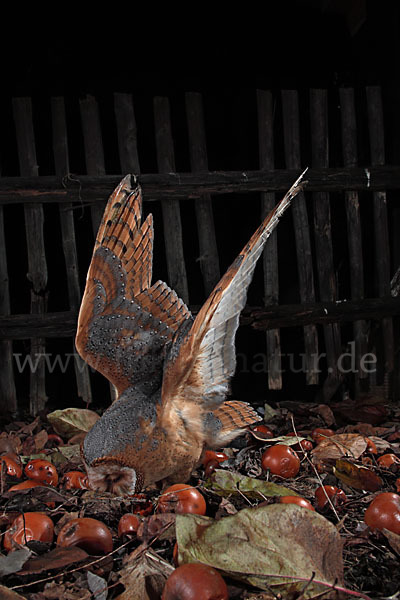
x=8 y=394
x=61 y=160
x=322 y=227
x=382 y=248
x=209 y=260
x=127 y=134
x=94 y=156
x=170 y=207
x=291 y=126
x=34 y=218
x=354 y=235
x=265 y=110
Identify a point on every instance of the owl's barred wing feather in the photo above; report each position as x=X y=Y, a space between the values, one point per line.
x=124 y=323
x=201 y=370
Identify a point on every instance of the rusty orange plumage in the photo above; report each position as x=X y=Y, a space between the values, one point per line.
x=171 y=371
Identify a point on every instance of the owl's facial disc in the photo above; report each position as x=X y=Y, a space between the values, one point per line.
x=112 y=477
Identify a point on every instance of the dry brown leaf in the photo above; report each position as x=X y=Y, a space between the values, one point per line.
x=28 y=446
x=7 y=594
x=393 y=539
x=73 y=591
x=28 y=428
x=161 y=526
x=324 y=411
x=144 y=575
x=338 y=445
x=40 y=440
x=366 y=411
x=380 y=443
x=394 y=437
x=55 y=559
x=77 y=439
x=227 y=507
x=10 y=443
x=379 y=431
x=359 y=478
x=68 y=516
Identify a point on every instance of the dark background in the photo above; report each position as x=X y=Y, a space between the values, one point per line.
x=292 y=43
x=296 y=44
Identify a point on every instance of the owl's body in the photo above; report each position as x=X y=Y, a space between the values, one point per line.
x=171 y=370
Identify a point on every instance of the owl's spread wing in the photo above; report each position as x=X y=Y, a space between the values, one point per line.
x=124 y=323
x=198 y=374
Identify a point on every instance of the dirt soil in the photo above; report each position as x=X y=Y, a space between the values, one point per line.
x=138 y=564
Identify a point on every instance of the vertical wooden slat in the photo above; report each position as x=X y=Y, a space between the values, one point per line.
x=395 y=291
x=382 y=248
x=356 y=265
x=94 y=155
x=127 y=133
x=34 y=218
x=322 y=224
x=61 y=159
x=8 y=395
x=209 y=260
x=291 y=127
x=265 y=110
x=170 y=207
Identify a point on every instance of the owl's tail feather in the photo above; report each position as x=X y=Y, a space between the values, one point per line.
x=228 y=421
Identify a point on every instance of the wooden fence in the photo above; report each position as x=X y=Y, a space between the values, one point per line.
x=319 y=303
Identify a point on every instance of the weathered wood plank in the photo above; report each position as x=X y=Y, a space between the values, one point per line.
x=63 y=324
x=8 y=394
x=185 y=186
x=322 y=224
x=170 y=207
x=126 y=133
x=265 y=111
x=209 y=259
x=46 y=325
x=95 y=165
x=291 y=127
x=354 y=235
x=37 y=265
x=382 y=248
x=94 y=154
x=341 y=311
x=61 y=160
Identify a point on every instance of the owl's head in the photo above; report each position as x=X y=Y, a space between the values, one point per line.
x=107 y=475
x=111 y=474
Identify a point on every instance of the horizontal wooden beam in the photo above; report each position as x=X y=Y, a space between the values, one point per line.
x=292 y=315
x=48 y=325
x=86 y=188
x=63 y=324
